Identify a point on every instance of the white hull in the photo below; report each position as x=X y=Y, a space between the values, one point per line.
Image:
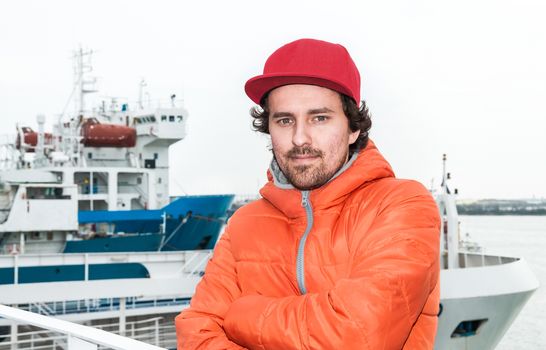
x=492 y=293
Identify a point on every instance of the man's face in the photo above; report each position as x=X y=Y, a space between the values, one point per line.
x=310 y=134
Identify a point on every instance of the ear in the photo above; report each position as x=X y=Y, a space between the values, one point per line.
x=353 y=136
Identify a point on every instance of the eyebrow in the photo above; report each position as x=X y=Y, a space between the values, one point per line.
x=320 y=110
x=282 y=115
x=311 y=111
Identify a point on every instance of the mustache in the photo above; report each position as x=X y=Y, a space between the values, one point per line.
x=304 y=151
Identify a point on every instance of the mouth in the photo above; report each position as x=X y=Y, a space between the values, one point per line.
x=303 y=158
x=303 y=155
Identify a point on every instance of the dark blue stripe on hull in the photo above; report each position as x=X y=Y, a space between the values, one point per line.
x=138 y=243
x=65 y=273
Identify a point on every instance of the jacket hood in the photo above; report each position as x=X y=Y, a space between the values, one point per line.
x=366 y=166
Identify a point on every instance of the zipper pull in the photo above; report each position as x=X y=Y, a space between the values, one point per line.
x=304 y=198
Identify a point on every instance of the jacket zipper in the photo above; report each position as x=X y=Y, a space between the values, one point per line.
x=300 y=273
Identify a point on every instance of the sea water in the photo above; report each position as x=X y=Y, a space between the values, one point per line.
x=520 y=236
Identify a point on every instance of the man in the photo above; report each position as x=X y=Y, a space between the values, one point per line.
x=338 y=254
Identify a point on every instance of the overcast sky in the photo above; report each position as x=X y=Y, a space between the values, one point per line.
x=466 y=78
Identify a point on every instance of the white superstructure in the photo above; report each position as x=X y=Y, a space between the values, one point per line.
x=112 y=158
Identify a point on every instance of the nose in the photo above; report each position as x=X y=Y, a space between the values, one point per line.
x=301 y=135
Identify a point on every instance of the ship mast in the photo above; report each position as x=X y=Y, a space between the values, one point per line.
x=449 y=233
x=83 y=85
x=86 y=85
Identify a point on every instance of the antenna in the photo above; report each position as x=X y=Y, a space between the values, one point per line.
x=444 y=182
x=445 y=175
x=141 y=87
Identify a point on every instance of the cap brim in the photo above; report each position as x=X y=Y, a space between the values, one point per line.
x=258 y=86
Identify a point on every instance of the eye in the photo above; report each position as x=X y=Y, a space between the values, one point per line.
x=320 y=118
x=284 y=121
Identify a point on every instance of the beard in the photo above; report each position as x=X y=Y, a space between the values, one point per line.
x=308 y=176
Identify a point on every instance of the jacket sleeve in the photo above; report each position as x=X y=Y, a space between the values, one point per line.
x=395 y=270
x=201 y=325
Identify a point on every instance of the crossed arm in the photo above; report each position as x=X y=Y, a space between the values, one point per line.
x=375 y=307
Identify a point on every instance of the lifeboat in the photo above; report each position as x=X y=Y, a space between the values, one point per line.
x=96 y=134
x=30 y=138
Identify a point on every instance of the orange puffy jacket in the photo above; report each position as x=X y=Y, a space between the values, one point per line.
x=353 y=264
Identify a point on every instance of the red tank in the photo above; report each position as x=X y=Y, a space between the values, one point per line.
x=30 y=138
x=96 y=134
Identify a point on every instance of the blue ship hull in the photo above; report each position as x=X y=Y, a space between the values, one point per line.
x=191 y=223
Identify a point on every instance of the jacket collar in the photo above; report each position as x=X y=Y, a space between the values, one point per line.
x=366 y=166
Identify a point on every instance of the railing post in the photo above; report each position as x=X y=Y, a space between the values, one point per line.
x=156 y=332
x=16 y=269
x=86 y=267
x=13 y=336
x=122 y=308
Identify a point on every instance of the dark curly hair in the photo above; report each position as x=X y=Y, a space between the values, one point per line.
x=359 y=119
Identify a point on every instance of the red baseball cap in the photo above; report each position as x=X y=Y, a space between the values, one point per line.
x=308 y=61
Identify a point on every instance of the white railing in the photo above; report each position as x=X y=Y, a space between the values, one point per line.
x=79 y=337
x=158 y=331
x=68 y=307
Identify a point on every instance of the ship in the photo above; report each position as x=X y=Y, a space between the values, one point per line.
x=480 y=294
x=88 y=229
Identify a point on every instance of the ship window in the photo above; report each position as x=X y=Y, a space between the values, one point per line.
x=50 y=236
x=35 y=235
x=171 y=118
x=468 y=328
x=149 y=163
x=156 y=156
x=158 y=180
x=137 y=120
x=163 y=118
x=139 y=180
x=43 y=193
x=90 y=155
x=180 y=118
x=152 y=118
